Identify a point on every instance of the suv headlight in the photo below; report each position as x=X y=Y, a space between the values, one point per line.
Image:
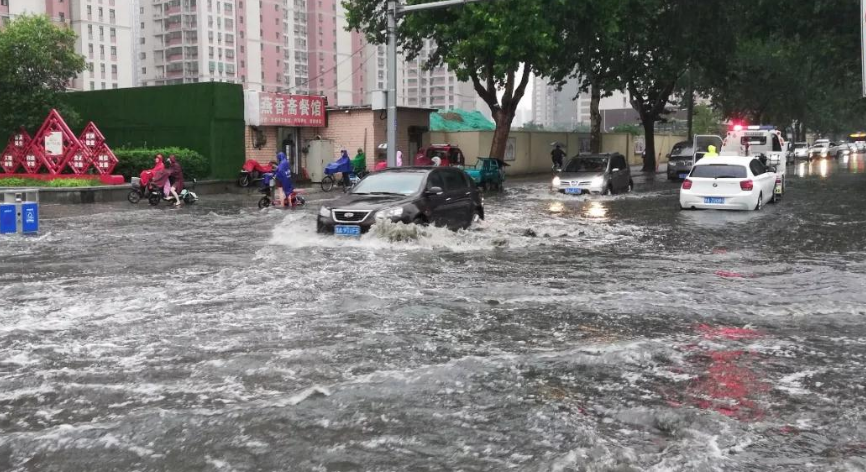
x=556 y=181
x=395 y=212
x=324 y=211
x=598 y=182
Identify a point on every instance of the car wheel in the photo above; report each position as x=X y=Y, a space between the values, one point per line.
x=760 y=204
x=609 y=191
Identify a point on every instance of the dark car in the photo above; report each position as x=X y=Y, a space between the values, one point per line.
x=440 y=196
x=680 y=160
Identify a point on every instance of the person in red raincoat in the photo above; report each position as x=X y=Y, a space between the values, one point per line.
x=146 y=175
x=175 y=182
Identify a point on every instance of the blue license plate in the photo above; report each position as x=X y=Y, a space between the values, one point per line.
x=573 y=191
x=683 y=176
x=347 y=230
x=714 y=200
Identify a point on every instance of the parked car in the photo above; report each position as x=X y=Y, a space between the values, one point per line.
x=448 y=155
x=594 y=174
x=729 y=183
x=801 y=151
x=488 y=173
x=440 y=196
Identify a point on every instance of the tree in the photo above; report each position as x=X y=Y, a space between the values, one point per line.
x=533 y=126
x=494 y=45
x=37 y=62
x=794 y=69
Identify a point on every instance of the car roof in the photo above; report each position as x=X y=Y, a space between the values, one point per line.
x=729 y=160
x=412 y=169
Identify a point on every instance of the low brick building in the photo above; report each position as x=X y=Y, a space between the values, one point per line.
x=352 y=128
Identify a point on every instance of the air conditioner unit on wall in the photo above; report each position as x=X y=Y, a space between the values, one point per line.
x=379 y=99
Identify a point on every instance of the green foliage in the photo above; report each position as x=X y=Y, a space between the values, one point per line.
x=532 y=126
x=58 y=183
x=134 y=160
x=37 y=62
x=707 y=121
x=793 y=61
x=495 y=45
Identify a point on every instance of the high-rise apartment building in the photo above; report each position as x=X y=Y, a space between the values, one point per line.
x=185 y=41
x=567 y=108
x=104 y=29
x=416 y=87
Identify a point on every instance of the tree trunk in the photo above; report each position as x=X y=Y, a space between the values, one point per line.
x=503 y=120
x=691 y=109
x=595 y=121
x=649 y=164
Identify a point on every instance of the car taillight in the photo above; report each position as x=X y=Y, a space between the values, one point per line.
x=747 y=185
x=687 y=184
x=778 y=180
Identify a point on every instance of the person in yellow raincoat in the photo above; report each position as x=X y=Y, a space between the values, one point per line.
x=711 y=152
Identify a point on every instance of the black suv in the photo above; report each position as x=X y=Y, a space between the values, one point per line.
x=441 y=196
x=680 y=160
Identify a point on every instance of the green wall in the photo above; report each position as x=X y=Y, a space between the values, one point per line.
x=207 y=117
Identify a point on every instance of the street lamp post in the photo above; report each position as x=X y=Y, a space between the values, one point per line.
x=395 y=10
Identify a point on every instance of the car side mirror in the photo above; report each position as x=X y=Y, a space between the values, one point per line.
x=433 y=191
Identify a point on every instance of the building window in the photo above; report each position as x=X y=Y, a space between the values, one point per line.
x=89 y=11
x=100 y=17
x=111 y=16
x=62 y=17
x=92 y=86
x=144 y=71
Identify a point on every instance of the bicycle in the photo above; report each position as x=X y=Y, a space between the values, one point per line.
x=329 y=181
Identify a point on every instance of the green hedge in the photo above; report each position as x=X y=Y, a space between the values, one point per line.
x=59 y=183
x=134 y=160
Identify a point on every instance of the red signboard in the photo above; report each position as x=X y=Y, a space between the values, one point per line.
x=277 y=109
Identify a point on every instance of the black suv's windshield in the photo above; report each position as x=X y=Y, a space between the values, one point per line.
x=587 y=164
x=682 y=149
x=400 y=183
x=719 y=171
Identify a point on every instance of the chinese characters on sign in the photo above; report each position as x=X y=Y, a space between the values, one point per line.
x=277 y=109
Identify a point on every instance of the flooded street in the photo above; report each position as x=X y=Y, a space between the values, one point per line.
x=562 y=334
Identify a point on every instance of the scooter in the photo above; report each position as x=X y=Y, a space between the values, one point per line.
x=268 y=188
x=156 y=194
x=252 y=171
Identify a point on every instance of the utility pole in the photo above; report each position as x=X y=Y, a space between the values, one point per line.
x=396 y=10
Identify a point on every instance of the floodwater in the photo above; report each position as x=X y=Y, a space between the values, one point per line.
x=562 y=334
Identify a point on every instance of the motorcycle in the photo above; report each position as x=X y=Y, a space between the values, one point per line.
x=156 y=194
x=268 y=188
x=252 y=171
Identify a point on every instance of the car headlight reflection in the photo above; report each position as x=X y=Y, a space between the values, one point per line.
x=324 y=211
x=556 y=181
x=598 y=182
x=396 y=212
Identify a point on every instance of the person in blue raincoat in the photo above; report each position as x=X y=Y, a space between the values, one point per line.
x=284 y=176
x=344 y=165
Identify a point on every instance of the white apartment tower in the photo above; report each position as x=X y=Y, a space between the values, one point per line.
x=185 y=41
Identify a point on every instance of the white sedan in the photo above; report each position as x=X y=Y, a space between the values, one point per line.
x=728 y=183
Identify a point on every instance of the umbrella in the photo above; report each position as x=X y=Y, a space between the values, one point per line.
x=557 y=143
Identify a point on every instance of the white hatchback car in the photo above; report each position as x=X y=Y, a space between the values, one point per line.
x=728 y=183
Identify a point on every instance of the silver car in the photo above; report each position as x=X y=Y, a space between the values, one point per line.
x=594 y=174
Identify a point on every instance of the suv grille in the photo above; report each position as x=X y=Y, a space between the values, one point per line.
x=345 y=216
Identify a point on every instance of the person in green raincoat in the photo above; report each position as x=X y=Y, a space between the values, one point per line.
x=359 y=162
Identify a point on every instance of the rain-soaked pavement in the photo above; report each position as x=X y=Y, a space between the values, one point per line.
x=625 y=335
